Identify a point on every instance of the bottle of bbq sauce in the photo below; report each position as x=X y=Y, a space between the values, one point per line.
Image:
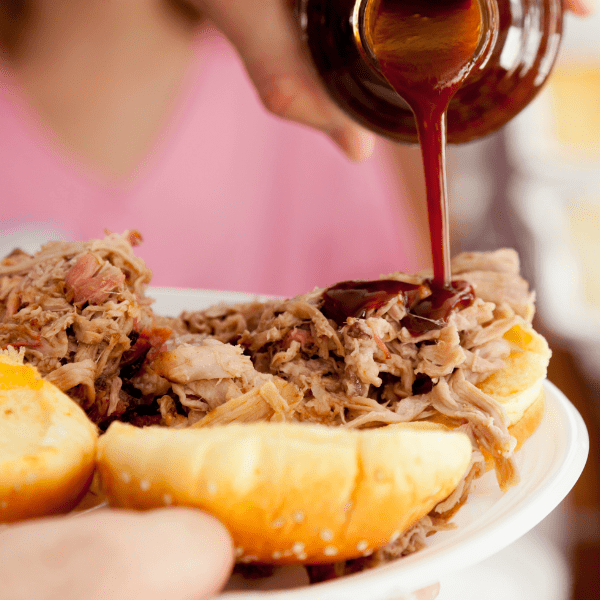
x=527 y=38
x=432 y=71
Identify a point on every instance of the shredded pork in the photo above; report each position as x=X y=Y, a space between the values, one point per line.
x=79 y=312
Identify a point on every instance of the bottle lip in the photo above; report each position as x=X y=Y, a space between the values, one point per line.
x=360 y=34
x=490 y=33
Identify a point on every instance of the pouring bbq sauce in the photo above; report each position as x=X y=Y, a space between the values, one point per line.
x=428 y=304
x=416 y=55
x=527 y=39
x=426 y=49
x=400 y=67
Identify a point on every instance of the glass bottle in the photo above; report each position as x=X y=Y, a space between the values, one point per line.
x=522 y=57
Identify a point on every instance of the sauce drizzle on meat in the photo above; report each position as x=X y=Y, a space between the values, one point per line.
x=355 y=298
x=429 y=305
x=433 y=311
x=426 y=50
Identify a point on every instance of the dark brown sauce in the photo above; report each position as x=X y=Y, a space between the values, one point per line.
x=428 y=305
x=433 y=311
x=528 y=40
x=425 y=49
x=355 y=298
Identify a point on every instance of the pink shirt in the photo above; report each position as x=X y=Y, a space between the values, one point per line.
x=230 y=198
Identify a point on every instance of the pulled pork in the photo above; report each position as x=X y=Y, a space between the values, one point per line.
x=358 y=354
x=77 y=309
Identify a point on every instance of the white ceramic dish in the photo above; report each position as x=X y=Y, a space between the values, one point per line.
x=550 y=462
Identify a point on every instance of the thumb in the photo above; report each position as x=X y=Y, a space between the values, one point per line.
x=168 y=553
x=268 y=41
x=581 y=8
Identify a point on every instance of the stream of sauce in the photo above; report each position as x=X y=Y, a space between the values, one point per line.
x=425 y=49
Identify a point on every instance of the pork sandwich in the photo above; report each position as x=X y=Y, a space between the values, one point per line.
x=360 y=359
x=298 y=493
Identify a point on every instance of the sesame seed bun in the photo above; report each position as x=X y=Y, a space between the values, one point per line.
x=47 y=445
x=288 y=493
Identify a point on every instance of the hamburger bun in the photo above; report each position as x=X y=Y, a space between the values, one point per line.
x=519 y=385
x=289 y=493
x=529 y=422
x=47 y=445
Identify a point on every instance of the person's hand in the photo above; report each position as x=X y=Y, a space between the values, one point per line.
x=582 y=8
x=267 y=38
x=173 y=553
x=268 y=41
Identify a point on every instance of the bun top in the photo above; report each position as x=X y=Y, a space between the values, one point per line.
x=47 y=444
x=289 y=492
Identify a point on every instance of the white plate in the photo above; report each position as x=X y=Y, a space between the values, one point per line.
x=550 y=463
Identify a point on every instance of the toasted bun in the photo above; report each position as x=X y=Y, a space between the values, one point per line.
x=529 y=422
x=47 y=445
x=288 y=493
x=523 y=428
x=519 y=385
